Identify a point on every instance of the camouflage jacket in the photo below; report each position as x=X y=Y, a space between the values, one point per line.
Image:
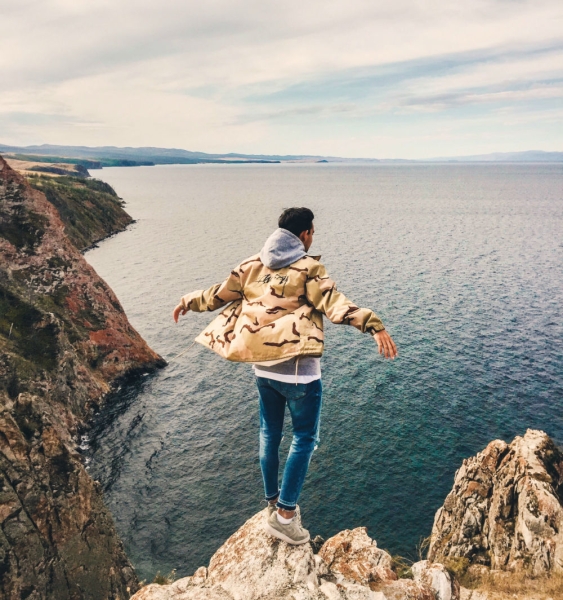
x=275 y=314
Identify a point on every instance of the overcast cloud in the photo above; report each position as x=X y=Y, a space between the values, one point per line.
x=387 y=78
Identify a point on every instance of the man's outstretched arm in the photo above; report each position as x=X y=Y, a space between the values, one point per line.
x=322 y=293
x=210 y=299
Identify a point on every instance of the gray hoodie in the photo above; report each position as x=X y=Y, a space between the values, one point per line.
x=281 y=249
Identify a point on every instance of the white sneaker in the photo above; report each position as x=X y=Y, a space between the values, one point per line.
x=292 y=533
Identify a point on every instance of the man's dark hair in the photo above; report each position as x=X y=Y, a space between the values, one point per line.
x=296 y=219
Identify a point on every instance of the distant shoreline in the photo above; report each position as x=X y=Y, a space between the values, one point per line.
x=111 y=156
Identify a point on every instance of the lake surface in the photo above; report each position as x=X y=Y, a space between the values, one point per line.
x=464 y=265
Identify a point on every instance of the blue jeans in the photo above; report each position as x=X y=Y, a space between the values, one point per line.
x=304 y=401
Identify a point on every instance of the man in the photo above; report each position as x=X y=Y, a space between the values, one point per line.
x=273 y=304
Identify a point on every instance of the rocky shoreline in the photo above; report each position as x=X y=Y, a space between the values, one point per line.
x=65 y=344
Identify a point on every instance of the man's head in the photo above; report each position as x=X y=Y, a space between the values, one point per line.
x=300 y=222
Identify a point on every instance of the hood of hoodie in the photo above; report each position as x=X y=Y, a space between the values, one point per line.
x=281 y=249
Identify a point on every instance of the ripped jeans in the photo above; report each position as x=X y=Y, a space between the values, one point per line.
x=304 y=402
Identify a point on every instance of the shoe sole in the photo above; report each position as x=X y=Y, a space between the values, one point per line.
x=269 y=529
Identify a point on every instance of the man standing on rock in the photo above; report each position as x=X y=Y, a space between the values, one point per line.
x=273 y=304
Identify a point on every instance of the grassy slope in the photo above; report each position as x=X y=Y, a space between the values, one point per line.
x=89 y=208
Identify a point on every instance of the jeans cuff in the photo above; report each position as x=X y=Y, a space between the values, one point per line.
x=285 y=506
x=268 y=498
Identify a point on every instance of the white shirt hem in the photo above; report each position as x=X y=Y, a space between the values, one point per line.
x=286 y=378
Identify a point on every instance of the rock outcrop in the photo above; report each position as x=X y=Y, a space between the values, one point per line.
x=253 y=565
x=505 y=510
x=64 y=341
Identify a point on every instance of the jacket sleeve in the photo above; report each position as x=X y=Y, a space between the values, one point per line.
x=214 y=297
x=323 y=295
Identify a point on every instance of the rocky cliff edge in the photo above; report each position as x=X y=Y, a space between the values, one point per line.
x=505 y=510
x=253 y=565
x=64 y=342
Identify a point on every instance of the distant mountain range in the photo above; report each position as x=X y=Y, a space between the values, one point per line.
x=145 y=156
x=100 y=156
x=527 y=156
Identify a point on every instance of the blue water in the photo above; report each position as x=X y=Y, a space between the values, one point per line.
x=462 y=262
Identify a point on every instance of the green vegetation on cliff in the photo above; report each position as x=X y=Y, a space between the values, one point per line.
x=30 y=338
x=89 y=208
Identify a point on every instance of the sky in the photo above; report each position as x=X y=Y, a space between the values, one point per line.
x=353 y=78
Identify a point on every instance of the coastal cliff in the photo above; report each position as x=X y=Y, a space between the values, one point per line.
x=64 y=343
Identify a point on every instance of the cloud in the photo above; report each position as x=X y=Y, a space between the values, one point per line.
x=464 y=68
x=245 y=75
x=499 y=77
x=499 y=95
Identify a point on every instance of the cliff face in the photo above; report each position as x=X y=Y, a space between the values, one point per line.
x=64 y=340
x=505 y=510
x=252 y=565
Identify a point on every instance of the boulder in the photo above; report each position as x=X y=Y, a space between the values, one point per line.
x=505 y=510
x=437 y=577
x=253 y=565
x=353 y=555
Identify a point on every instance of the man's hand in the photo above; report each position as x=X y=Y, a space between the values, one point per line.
x=385 y=344
x=179 y=310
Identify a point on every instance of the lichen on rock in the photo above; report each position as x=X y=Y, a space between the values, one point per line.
x=253 y=565
x=505 y=510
